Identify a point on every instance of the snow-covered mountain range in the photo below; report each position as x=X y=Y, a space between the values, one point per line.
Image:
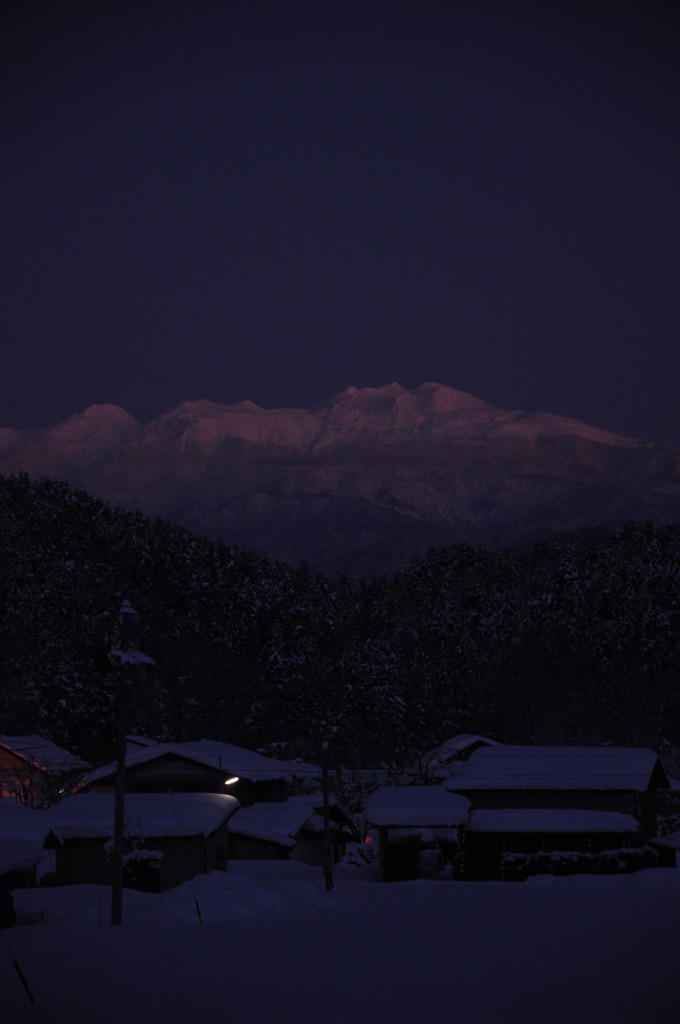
x=361 y=482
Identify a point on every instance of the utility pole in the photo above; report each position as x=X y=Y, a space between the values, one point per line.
x=129 y=659
x=327 y=853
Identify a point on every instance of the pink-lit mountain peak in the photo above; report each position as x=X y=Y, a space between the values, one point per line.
x=361 y=482
x=394 y=413
x=98 y=428
x=380 y=414
x=367 y=416
x=427 y=399
x=434 y=412
x=208 y=424
x=97 y=421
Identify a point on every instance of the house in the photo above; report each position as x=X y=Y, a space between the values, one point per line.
x=406 y=818
x=291 y=830
x=203 y=766
x=169 y=838
x=34 y=770
x=623 y=779
x=577 y=799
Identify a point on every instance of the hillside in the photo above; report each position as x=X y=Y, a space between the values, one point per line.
x=576 y=639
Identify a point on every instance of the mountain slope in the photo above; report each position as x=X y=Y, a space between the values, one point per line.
x=362 y=482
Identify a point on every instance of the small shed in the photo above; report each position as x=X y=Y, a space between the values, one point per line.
x=169 y=838
x=34 y=769
x=292 y=830
x=404 y=817
x=491 y=834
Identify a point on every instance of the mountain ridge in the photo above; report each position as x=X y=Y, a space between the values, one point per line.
x=390 y=405
x=361 y=482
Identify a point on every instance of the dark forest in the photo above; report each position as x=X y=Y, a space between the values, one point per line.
x=572 y=640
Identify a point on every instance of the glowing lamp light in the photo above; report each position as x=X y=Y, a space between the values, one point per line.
x=231 y=781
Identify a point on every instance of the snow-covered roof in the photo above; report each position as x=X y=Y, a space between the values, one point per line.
x=43 y=753
x=232 y=760
x=550 y=820
x=18 y=854
x=278 y=822
x=90 y=815
x=20 y=822
x=248 y=763
x=550 y=768
x=395 y=806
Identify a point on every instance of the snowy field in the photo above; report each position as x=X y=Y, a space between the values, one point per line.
x=273 y=946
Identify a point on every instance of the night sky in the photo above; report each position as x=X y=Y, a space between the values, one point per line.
x=274 y=201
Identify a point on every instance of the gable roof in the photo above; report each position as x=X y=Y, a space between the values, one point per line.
x=413 y=806
x=90 y=815
x=223 y=757
x=248 y=764
x=277 y=822
x=280 y=822
x=44 y=754
x=567 y=768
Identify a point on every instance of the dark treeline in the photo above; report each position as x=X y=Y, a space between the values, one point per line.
x=574 y=640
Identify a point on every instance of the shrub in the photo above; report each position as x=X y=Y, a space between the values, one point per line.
x=516 y=867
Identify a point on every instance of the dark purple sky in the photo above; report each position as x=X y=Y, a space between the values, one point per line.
x=273 y=201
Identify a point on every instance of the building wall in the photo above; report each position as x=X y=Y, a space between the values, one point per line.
x=172 y=775
x=19 y=779
x=85 y=861
x=250 y=848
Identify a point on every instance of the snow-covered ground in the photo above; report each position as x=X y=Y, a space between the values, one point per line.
x=274 y=946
